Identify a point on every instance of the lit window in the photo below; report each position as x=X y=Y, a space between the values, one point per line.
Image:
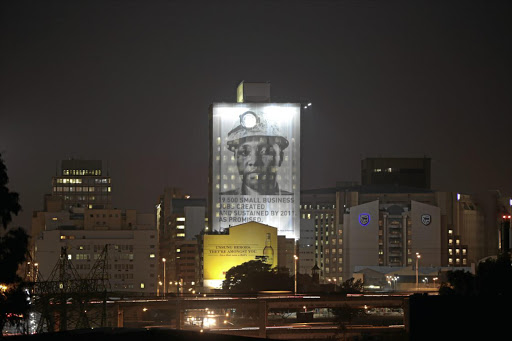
x=62 y=237
x=180 y=234
x=151 y=255
x=142 y=285
x=180 y=227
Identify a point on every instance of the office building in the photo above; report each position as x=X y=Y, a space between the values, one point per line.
x=404 y=172
x=180 y=219
x=386 y=225
x=131 y=239
x=82 y=183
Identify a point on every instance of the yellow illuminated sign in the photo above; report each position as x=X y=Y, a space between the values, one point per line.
x=246 y=242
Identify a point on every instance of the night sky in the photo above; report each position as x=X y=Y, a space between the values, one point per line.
x=130 y=83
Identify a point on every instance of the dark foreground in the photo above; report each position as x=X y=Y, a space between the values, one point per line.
x=125 y=334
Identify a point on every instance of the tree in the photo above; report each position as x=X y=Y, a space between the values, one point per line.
x=460 y=283
x=351 y=286
x=493 y=278
x=254 y=276
x=344 y=315
x=13 y=252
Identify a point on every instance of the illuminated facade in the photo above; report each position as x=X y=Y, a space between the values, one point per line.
x=245 y=242
x=255 y=165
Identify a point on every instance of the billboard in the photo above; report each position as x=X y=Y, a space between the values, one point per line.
x=255 y=165
x=246 y=242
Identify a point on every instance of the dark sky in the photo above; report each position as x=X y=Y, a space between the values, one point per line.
x=130 y=82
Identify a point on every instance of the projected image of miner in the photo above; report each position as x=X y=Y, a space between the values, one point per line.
x=258 y=148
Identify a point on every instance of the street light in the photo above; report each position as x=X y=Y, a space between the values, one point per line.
x=165 y=283
x=36 y=271
x=418 y=256
x=435 y=279
x=295 y=262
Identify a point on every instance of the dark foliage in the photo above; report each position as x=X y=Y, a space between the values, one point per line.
x=13 y=252
x=254 y=276
x=9 y=201
x=493 y=278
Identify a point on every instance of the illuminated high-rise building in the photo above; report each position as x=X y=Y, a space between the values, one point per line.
x=82 y=183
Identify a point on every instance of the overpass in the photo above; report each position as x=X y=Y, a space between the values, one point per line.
x=261 y=304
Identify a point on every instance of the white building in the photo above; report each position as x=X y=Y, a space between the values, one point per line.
x=131 y=238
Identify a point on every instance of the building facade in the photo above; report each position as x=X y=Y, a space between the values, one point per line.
x=180 y=220
x=130 y=238
x=386 y=225
x=82 y=183
x=404 y=172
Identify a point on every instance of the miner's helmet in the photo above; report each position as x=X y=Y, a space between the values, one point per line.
x=257 y=125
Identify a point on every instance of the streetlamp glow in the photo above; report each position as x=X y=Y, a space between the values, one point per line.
x=295 y=258
x=418 y=256
x=165 y=283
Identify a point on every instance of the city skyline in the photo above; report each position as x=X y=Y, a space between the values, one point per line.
x=131 y=84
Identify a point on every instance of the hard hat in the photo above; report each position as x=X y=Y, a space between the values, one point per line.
x=255 y=124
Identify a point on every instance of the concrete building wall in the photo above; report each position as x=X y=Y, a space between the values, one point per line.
x=361 y=243
x=306 y=246
x=426 y=233
x=132 y=255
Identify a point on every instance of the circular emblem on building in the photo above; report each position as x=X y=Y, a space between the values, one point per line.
x=364 y=219
x=426 y=219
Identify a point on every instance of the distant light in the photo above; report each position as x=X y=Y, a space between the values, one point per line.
x=458 y=196
x=309 y=104
x=305 y=107
x=510 y=202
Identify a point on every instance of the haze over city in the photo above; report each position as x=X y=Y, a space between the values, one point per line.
x=130 y=83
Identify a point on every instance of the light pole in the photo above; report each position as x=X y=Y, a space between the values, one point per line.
x=295 y=258
x=36 y=271
x=418 y=256
x=165 y=282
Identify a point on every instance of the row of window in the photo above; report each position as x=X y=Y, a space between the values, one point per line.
x=80 y=180
x=86 y=189
x=83 y=172
x=318 y=206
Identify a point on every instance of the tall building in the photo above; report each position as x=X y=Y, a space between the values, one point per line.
x=78 y=217
x=131 y=239
x=82 y=183
x=254 y=155
x=180 y=219
x=405 y=172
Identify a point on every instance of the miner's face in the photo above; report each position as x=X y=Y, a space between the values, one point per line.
x=258 y=159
